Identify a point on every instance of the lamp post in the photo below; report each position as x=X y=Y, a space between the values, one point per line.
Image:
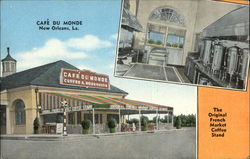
x=64 y=105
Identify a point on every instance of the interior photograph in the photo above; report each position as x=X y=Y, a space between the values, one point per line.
x=200 y=42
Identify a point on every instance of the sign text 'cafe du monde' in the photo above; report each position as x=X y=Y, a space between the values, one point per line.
x=84 y=78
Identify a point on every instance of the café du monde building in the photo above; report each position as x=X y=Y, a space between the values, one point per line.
x=40 y=92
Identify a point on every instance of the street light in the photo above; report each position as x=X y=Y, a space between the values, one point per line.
x=64 y=105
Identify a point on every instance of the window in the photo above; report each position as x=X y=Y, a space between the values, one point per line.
x=166 y=15
x=126 y=38
x=101 y=119
x=71 y=118
x=164 y=36
x=7 y=67
x=19 y=112
x=79 y=117
x=115 y=116
x=175 y=41
x=90 y=117
x=156 y=38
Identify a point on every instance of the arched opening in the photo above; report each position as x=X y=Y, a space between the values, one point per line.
x=165 y=34
x=19 y=107
x=165 y=28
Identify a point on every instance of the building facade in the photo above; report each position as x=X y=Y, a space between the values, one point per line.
x=40 y=91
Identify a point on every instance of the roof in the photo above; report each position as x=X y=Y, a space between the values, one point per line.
x=8 y=58
x=47 y=75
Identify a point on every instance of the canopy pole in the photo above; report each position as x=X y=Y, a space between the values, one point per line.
x=168 y=117
x=93 y=119
x=172 y=119
x=139 y=119
x=128 y=115
x=156 y=121
x=119 y=120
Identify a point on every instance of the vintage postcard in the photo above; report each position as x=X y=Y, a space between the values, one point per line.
x=59 y=98
x=196 y=42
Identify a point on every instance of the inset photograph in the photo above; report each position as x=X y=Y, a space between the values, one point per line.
x=203 y=42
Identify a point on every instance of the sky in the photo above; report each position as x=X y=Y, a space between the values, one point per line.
x=92 y=46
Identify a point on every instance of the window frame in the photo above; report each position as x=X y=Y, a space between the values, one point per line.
x=180 y=22
x=166 y=34
x=71 y=118
x=20 y=116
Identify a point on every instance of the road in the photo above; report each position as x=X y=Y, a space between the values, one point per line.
x=174 y=144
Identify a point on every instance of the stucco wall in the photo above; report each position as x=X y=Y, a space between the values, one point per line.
x=28 y=97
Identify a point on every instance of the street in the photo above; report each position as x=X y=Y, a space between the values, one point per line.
x=172 y=144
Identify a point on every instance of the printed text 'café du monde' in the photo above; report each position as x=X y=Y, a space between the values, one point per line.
x=84 y=78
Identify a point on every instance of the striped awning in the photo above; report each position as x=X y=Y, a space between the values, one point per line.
x=50 y=100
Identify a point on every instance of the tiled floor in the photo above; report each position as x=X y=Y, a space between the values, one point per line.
x=153 y=72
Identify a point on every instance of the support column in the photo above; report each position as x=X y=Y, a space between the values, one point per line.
x=139 y=119
x=168 y=117
x=93 y=119
x=128 y=115
x=37 y=110
x=119 y=120
x=173 y=119
x=156 y=120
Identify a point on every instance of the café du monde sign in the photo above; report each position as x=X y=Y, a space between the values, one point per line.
x=84 y=78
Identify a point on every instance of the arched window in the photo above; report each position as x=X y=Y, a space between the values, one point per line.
x=167 y=15
x=165 y=34
x=20 y=112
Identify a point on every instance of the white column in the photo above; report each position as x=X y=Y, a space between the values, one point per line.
x=139 y=119
x=119 y=120
x=157 y=126
x=93 y=119
x=173 y=119
x=168 y=117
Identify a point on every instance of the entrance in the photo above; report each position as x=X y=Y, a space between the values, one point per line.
x=2 y=119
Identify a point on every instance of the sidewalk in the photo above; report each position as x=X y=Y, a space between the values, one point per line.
x=54 y=137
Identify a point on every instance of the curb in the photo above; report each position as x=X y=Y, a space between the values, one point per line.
x=53 y=137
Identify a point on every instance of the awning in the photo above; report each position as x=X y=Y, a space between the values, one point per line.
x=128 y=19
x=52 y=101
x=235 y=23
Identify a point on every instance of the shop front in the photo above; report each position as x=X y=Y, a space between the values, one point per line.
x=41 y=92
x=98 y=109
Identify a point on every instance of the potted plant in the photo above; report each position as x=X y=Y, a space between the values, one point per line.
x=85 y=126
x=36 y=125
x=112 y=125
x=144 y=123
